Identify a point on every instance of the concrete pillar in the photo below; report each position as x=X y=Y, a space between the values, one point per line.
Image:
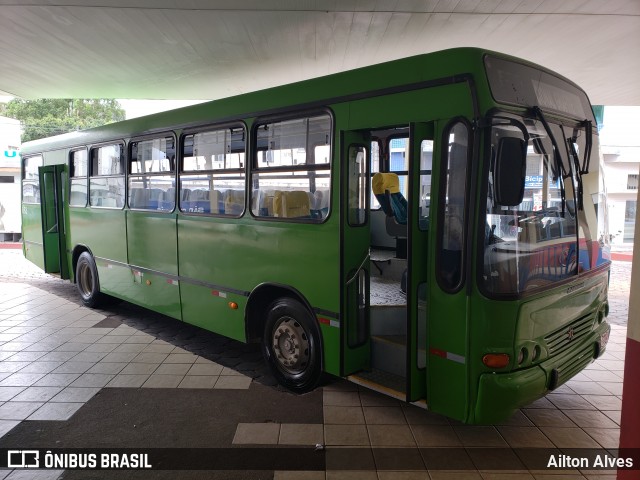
x=630 y=423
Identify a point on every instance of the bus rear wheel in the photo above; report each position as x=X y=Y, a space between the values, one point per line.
x=87 y=281
x=291 y=345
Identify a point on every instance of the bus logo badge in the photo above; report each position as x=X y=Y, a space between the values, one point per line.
x=570 y=334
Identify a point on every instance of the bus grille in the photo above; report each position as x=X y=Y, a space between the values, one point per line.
x=560 y=339
x=574 y=365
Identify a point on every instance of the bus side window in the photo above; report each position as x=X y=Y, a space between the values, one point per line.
x=212 y=178
x=106 y=184
x=291 y=169
x=151 y=181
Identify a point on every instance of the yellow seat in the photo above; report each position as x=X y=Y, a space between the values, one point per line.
x=291 y=204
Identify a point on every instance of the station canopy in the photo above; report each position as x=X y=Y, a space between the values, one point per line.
x=203 y=49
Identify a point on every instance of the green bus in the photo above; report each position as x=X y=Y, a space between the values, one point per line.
x=472 y=281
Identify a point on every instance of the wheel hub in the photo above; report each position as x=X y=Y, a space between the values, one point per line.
x=291 y=345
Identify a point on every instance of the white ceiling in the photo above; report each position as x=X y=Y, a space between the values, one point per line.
x=206 y=49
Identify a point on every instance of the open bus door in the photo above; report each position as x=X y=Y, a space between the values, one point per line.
x=53 y=228
x=355 y=336
x=421 y=137
x=448 y=281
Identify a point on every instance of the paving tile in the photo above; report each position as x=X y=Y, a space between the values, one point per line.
x=18 y=410
x=112 y=339
x=14 y=346
x=299 y=475
x=339 y=415
x=101 y=347
x=343 y=399
x=128 y=381
x=37 y=394
x=257 y=434
x=92 y=380
x=391 y=436
x=198 y=381
x=205 y=369
x=106 y=367
x=75 y=394
x=590 y=387
x=525 y=437
x=375 y=399
x=71 y=347
x=587 y=418
x=614 y=415
x=41 y=367
x=92 y=357
x=173 y=369
x=139 y=369
x=226 y=371
x=56 y=411
x=346 y=435
x=574 y=402
x=7 y=393
x=58 y=356
x=56 y=380
x=119 y=357
x=5 y=427
x=607 y=437
x=612 y=387
x=233 y=382
x=351 y=475
x=129 y=348
x=180 y=358
x=420 y=416
x=12 y=367
x=158 y=348
x=163 y=381
x=150 y=357
x=604 y=402
x=547 y=417
x=21 y=379
x=74 y=367
x=26 y=356
x=435 y=436
x=479 y=436
x=301 y=434
x=384 y=416
x=569 y=437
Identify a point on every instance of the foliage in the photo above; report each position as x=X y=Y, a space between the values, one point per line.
x=53 y=116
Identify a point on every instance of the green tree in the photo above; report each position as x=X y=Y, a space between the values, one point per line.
x=53 y=116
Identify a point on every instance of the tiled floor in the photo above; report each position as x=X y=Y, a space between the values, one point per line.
x=56 y=355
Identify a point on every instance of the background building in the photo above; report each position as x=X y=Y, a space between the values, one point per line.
x=9 y=179
x=621 y=150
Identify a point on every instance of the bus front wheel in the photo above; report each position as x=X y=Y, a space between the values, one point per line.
x=291 y=345
x=87 y=280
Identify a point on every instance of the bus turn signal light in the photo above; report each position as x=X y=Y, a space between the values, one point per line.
x=233 y=305
x=496 y=360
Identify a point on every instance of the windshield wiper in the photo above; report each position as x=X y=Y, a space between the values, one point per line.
x=559 y=170
x=588 y=130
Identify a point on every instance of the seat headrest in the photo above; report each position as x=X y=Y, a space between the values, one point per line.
x=382 y=182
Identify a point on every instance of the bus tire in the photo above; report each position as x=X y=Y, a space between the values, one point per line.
x=291 y=345
x=87 y=281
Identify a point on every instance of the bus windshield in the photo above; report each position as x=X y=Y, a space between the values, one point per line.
x=549 y=236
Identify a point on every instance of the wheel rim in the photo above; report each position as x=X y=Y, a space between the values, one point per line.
x=291 y=345
x=85 y=280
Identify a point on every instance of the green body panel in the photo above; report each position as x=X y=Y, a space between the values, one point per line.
x=53 y=191
x=102 y=230
x=152 y=241
x=32 y=234
x=148 y=288
x=418 y=270
x=201 y=307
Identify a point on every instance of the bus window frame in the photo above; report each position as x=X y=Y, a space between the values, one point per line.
x=443 y=161
x=244 y=170
x=253 y=160
x=86 y=177
x=172 y=173
x=23 y=176
x=92 y=147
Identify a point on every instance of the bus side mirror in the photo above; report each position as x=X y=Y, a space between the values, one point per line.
x=510 y=169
